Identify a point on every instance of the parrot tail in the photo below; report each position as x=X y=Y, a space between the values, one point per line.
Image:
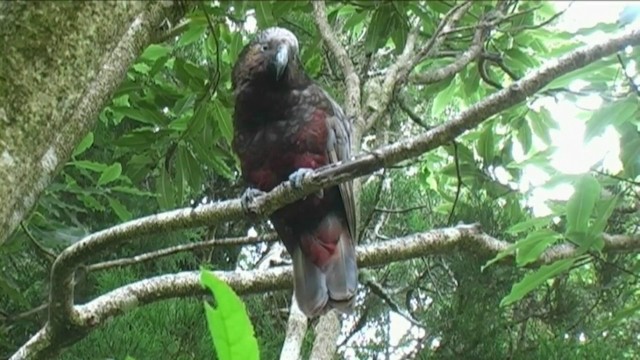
x=325 y=272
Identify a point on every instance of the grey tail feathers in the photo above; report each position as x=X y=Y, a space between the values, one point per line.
x=334 y=286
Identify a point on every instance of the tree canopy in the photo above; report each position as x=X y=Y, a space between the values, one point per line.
x=497 y=161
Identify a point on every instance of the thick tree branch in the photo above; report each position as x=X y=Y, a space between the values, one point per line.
x=466 y=238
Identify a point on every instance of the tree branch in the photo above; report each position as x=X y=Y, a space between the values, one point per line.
x=408 y=60
x=181 y=248
x=467 y=238
x=326 y=341
x=296 y=329
x=351 y=79
x=439 y=74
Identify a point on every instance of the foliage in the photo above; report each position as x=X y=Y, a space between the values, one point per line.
x=229 y=325
x=164 y=142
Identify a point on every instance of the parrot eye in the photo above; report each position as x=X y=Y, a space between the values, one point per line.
x=265 y=47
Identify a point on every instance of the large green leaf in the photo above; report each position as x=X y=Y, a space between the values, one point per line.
x=614 y=113
x=580 y=205
x=530 y=249
x=534 y=279
x=229 y=324
x=223 y=119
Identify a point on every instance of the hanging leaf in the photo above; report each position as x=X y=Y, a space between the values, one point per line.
x=84 y=144
x=223 y=119
x=120 y=210
x=229 y=325
x=486 y=144
x=530 y=249
x=534 y=279
x=166 y=198
x=195 y=32
x=264 y=15
x=581 y=204
x=155 y=51
x=110 y=174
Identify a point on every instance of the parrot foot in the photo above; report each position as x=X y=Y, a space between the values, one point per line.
x=247 y=198
x=296 y=178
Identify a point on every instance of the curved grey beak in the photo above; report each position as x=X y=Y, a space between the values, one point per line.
x=281 y=60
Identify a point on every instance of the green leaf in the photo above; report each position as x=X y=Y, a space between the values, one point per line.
x=190 y=167
x=132 y=191
x=603 y=213
x=154 y=51
x=223 y=119
x=443 y=99
x=628 y=313
x=264 y=15
x=580 y=205
x=501 y=255
x=529 y=249
x=229 y=324
x=89 y=165
x=524 y=136
x=197 y=121
x=84 y=144
x=535 y=279
x=166 y=200
x=12 y=292
x=236 y=45
x=379 y=29
x=110 y=174
x=119 y=209
x=194 y=33
x=614 y=113
x=527 y=225
x=486 y=144
x=212 y=158
x=539 y=126
x=145 y=116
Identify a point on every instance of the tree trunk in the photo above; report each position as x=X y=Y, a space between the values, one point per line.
x=60 y=62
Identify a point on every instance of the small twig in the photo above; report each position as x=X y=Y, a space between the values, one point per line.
x=376 y=200
x=630 y=80
x=180 y=248
x=379 y=291
x=402 y=104
x=542 y=24
x=402 y=211
x=459 y=181
x=474 y=51
x=46 y=253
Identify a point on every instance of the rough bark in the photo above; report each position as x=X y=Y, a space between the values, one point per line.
x=59 y=65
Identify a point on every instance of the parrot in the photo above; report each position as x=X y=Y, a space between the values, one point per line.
x=285 y=126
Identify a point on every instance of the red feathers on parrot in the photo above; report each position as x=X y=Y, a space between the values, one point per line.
x=285 y=125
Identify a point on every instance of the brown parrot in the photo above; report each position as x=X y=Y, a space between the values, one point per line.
x=285 y=126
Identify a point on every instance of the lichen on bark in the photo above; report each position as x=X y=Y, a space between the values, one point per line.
x=53 y=54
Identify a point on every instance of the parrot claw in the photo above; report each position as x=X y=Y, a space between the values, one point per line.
x=248 y=197
x=296 y=178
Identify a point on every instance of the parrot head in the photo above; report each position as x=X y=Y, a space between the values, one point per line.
x=270 y=58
